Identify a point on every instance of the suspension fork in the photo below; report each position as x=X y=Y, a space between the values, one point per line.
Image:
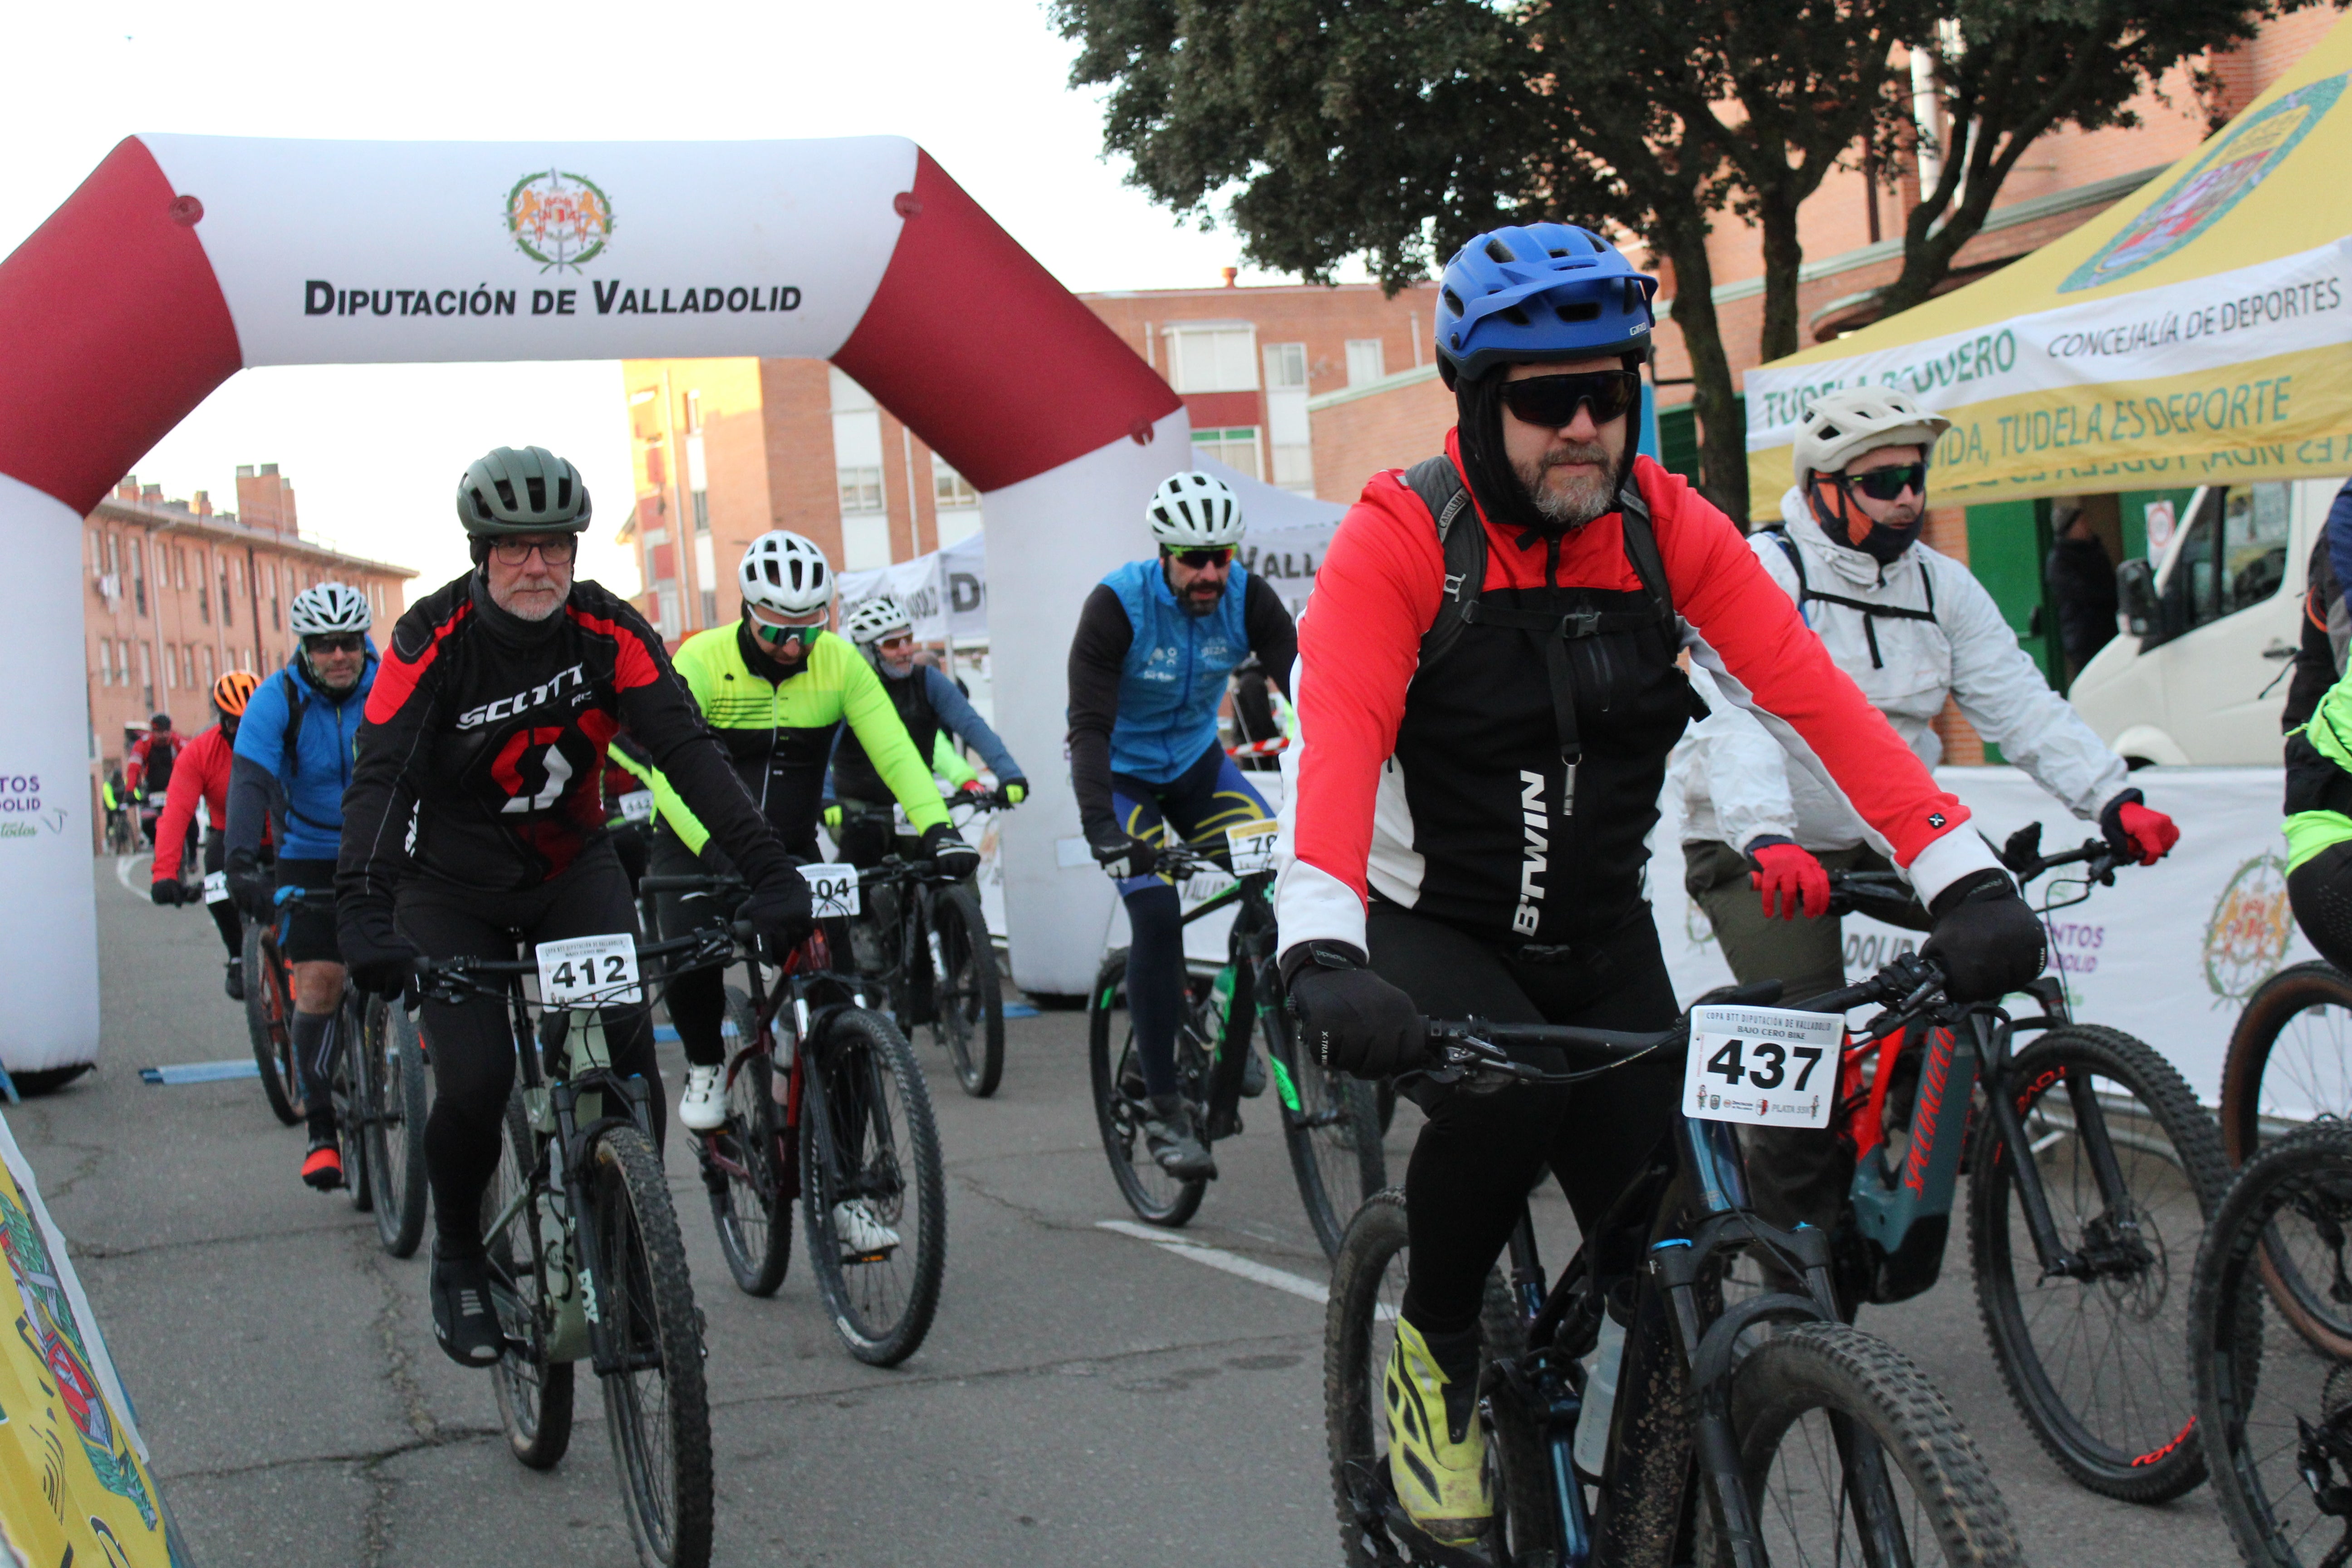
x=2000 y=1098
x=1241 y=1017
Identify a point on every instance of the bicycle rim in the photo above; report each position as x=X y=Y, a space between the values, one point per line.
x=1155 y=1196
x=396 y=1128
x=535 y=1394
x=265 y=1021
x=1368 y=1275
x=1332 y=1124
x=656 y=1405
x=2259 y=1380
x=868 y=1143
x=1850 y=1456
x=753 y=1221
x=967 y=1013
x=2091 y=1363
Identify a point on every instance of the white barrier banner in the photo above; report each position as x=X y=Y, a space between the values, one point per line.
x=2169 y=954
x=945 y=593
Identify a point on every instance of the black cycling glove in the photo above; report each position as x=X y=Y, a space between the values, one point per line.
x=1349 y=1019
x=946 y=848
x=1122 y=855
x=381 y=960
x=781 y=909
x=1986 y=937
x=167 y=891
x=256 y=892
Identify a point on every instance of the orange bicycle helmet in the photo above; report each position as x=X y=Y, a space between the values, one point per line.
x=233 y=690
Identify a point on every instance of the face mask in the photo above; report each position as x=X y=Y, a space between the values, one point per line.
x=1883 y=544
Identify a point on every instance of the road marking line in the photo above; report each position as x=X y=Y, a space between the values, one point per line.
x=122 y=870
x=1217 y=1257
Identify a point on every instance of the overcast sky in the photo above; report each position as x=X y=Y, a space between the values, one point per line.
x=374 y=452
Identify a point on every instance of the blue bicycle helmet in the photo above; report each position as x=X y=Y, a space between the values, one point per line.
x=1539 y=291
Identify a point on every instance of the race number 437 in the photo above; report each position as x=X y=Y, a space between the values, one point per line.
x=1768 y=1067
x=589 y=971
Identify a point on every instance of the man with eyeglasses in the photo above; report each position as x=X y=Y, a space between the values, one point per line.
x=776 y=689
x=290 y=765
x=477 y=818
x=1157 y=640
x=1911 y=626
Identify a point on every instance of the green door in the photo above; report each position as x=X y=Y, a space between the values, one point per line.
x=2008 y=543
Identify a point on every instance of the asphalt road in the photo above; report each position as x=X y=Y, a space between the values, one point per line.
x=1086 y=1396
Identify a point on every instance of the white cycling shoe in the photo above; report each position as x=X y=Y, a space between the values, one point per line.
x=702 y=1106
x=860 y=1233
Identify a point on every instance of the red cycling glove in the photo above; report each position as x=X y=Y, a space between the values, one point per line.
x=2132 y=829
x=1790 y=880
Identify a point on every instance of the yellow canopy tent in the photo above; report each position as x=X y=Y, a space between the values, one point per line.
x=2196 y=331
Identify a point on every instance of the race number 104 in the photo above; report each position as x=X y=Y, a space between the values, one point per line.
x=1767 y=1067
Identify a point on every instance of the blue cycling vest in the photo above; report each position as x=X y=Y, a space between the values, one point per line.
x=303 y=738
x=1174 y=677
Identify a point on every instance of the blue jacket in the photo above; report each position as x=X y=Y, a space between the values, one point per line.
x=306 y=760
x=1174 y=677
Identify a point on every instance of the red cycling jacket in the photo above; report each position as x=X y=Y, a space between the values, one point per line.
x=1446 y=796
x=201 y=773
x=142 y=751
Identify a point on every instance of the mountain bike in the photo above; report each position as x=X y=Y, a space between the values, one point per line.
x=826 y=1103
x=269 y=1015
x=1331 y=1122
x=2091 y=1173
x=2271 y=1394
x=586 y=1259
x=1808 y=1440
x=934 y=960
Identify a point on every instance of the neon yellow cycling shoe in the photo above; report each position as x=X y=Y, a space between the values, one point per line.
x=1437 y=1459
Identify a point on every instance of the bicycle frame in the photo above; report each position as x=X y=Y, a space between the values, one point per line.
x=1250 y=950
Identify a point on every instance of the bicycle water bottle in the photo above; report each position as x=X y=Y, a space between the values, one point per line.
x=1591 y=1450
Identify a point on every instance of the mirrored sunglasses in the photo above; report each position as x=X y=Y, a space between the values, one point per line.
x=1550 y=401
x=1888 y=484
x=1196 y=559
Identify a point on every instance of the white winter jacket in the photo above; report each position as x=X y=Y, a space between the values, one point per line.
x=1736 y=785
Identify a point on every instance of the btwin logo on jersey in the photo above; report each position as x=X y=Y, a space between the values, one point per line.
x=522 y=702
x=1536 y=822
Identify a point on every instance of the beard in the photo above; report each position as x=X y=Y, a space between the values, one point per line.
x=1585 y=497
x=896 y=668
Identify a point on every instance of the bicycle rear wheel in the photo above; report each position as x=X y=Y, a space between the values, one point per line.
x=534 y=1391
x=393 y=1133
x=870 y=1169
x=967 y=997
x=354 y=1088
x=1120 y=1107
x=2090 y=1360
x=2262 y=1385
x=266 y=1012
x=753 y=1216
x=656 y=1407
x=1331 y=1122
x=1849 y=1455
x=2290 y=1059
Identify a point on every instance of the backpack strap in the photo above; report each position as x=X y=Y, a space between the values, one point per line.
x=1439 y=485
x=1871 y=613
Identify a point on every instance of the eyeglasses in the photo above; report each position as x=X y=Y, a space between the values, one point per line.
x=556 y=552
x=895 y=644
x=334 y=642
x=1550 y=401
x=1889 y=483
x=1197 y=558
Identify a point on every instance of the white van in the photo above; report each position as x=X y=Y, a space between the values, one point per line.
x=2200 y=669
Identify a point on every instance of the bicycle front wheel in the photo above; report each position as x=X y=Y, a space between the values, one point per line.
x=2088 y=1354
x=1367 y=1276
x=1849 y=1454
x=967 y=997
x=656 y=1409
x=2290 y=1059
x=268 y=1013
x=753 y=1217
x=393 y=1129
x=533 y=1389
x=1122 y=1106
x=1331 y=1122
x=872 y=1186
x=354 y=1088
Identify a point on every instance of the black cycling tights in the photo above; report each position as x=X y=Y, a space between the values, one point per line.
x=2320 y=891
x=1480 y=1153
x=471 y=1046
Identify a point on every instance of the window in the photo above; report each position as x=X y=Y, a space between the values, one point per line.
x=105 y=662
x=694 y=412
x=861 y=488
x=146 y=673
x=1366 y=360
x=1236 y=448
x=2233 y=558
x=138 y=577
x=113 y=557
x=224 y=593
x=1212 y=359
x=205 y=657
x=179 y=568
x=667 y=620
x=1288 y=430
x=951 y=490
x=710 y=606
x=1285 y=366
x=864 y=542
x=171 y=666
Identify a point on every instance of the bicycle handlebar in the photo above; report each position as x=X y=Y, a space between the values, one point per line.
x=454 y=979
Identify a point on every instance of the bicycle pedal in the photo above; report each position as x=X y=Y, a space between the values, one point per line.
x=1426 y=1549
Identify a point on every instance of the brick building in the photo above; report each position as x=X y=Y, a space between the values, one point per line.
x=177 y=594
x=726 y=449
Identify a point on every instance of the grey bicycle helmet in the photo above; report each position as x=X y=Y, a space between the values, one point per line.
x=526 y=490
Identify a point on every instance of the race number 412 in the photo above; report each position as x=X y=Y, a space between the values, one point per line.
x=1768 y=1067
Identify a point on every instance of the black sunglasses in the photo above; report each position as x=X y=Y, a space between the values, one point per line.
x=1550 y=401
x=1888 y=484
x=334 y=642
x=1196 y=559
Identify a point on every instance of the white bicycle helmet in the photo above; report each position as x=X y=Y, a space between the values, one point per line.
x=328 y=608
x=1843 y=425
x=785 y=574
x=870 y=620
x=1194 y=511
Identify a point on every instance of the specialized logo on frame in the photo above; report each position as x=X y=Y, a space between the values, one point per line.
x=559 y=219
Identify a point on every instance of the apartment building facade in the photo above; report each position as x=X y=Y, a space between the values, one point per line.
x=176 y=594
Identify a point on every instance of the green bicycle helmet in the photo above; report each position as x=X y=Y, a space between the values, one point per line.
x=528 y=489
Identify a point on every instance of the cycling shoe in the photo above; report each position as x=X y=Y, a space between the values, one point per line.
x=323 y=1167
x=464 y=1319
x=1168 y=1130
x=1437 y=1440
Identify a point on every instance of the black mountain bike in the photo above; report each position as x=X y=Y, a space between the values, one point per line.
x=936 y=963
x=1331 y=1122
x=826 y=1103
x=586 y=1262
x=1762 y=1432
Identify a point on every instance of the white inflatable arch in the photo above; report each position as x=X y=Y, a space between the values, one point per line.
x=183 y=259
